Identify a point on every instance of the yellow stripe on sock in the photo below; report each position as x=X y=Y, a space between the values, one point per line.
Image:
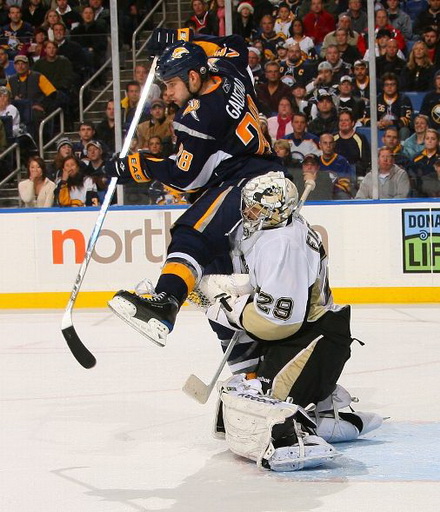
x=182 y=271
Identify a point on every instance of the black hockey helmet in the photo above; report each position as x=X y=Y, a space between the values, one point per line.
x=179 y=59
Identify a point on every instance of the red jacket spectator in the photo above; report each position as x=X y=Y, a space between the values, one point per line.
x=318 y=23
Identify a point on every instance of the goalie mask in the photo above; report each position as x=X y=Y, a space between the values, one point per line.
x=268 y=201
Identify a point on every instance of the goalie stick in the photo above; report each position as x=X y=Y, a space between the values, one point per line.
x=195 y=387
x=81 y=353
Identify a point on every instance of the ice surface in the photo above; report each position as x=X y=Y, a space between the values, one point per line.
x=123 y=437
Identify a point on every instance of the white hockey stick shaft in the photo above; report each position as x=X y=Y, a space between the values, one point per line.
x=196 y=388
x=310 y=185
x=78 y=349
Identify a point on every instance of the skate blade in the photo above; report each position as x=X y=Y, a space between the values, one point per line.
x=154 y=330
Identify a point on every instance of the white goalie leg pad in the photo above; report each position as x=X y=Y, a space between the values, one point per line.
x=337 y=426
x=249 y=418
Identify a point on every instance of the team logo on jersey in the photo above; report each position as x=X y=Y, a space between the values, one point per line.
x=435 y=114
x=226 y=85
x=193 y=106
x=421 y=240
x=178 y=53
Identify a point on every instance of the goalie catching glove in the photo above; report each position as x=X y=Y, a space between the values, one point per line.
x=227 y=310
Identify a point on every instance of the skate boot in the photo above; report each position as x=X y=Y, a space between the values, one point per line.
x=152 y=316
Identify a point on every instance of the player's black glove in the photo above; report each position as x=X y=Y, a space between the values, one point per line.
x=117 y=168
x=163 y=37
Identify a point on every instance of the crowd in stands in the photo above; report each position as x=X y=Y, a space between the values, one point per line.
x=309 y=60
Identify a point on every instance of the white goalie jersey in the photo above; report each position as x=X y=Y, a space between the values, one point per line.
x=287 y=268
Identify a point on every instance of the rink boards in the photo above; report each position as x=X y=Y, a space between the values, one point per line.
x=380 y=252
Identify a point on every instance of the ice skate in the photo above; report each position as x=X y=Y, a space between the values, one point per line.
x=152 y=316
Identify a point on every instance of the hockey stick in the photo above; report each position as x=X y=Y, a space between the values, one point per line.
x=195 y=387
x=81 y=353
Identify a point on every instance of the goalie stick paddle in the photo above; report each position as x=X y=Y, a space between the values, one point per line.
x=196 y=388
x=81 y=353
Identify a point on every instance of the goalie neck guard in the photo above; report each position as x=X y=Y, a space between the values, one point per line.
x=268 y=201
x=179 y=59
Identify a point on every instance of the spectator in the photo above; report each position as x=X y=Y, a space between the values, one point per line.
x=105 y=131
x=295 y=66
x=297 y=35
x=64 y=148
x=399 y=19
x=218 y=8
x=37 y=191
x=6 y=67
x=430 y=37
x=430 y=17
x=269 y=37
x=96 y=167
x=393 y=108
x=281 y=125
x=393 y=181
x=34 y=13
x=382 y=24
x=323 y=83
x=391 y=141
x=101 y=13
x=351 y=145
x=81 y=63
x=301 y=141
x=348 y=53
x=318 y=22
x=154 y=146
x=7 y=109
x=339 y=68
x=431 y=182
x=30 y=88
x=383 y=36
x=419 y=72
x=254 y=61
x=205 y=21
x=51 y=17
x=158 y=124
x=129 y=104
x=74 y=188
x=358 y=16
x=261 y=8
x=243 y=23
x=431 y=104
x=347 y=101
x=341 y=173
x=271 y=92
x=284 y=20
x=16 y=33
x=310 y=171
x=86 y=134
x=265 y=129
x=298 y=97
x=57 y=69
x=282 y=150
x=140 y=74
x=347 y=37
x=415 y=144
x=361 y=84
x=390 y=62
x=423 y=163
x=34 y=50
x=70 y=18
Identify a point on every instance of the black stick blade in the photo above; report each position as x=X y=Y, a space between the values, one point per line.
x=84 y=357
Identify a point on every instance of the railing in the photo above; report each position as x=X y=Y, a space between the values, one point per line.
x=41 y=146
x=136 y=52
x=14 y=147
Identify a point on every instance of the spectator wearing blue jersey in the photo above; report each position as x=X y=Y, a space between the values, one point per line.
x=301 y=141
x=340 y=171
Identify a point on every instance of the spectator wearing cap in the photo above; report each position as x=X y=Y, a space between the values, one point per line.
x=271 y=92
x=418 y=73
x=340 y=171
x=64 y=148
x=324 y=81
x=31 y=89
x=431 y=37
x=431 y=104
x=393 y=180
x=281 y=52
x=429 y=17
x=301 y=141
x=381 y=24
x=281 y=124
x=7 y=109
x=254 y=62
x=323 y=190
x=390 y=62
x=284 y=19
x=296 y=66
x=205 y=21
x=345 y=99
x=318 y=22
x=326 y=119
x=243 y=23
x=16 y=33
x=298 y=97
x=158 y=124
x=269 y=37
x=431 y=182
x=339 y=67
x=358 y=16
x=361 y=83
x=96 y=167
x=399 y=19
x=352 y=145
